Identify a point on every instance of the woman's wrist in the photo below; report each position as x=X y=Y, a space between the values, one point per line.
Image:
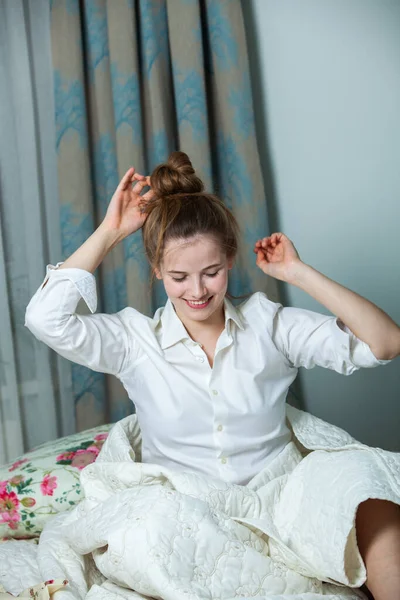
x=297 y=272
x=109 y=236
x=94 y=249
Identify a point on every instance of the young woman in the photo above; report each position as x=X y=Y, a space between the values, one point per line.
x=209 y=380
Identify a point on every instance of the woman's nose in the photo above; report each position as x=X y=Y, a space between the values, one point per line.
x=198 y=289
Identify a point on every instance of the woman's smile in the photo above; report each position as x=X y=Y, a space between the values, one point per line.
x=198 y=304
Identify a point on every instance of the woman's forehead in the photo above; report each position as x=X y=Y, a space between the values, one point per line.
x=191 y=254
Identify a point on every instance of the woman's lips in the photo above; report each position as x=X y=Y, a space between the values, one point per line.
x=198 y=306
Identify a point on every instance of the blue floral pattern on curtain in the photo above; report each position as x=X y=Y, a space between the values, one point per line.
x=133 y=82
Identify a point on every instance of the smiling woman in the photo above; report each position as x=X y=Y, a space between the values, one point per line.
x=210 y=380
x=179 y=210
x=199 y=294
x=191 y=240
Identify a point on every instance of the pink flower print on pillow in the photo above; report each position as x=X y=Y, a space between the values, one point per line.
x=81 y=456
x=85 y=457
x=48 y=485
x=16 y=480
x=9 y=504
x=17 y=464
x=66 y=456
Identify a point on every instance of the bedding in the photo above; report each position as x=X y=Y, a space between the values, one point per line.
x=42 y=591
x=45 y=482
x=146 y=531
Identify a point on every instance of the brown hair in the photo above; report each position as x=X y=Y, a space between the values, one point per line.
x=182 y=209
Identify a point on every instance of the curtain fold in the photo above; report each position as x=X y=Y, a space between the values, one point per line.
x=35 y=385
x=133 y=82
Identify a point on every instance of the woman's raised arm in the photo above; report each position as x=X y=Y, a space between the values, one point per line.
x=123 y=218
x=98 y=341
x=277 y=256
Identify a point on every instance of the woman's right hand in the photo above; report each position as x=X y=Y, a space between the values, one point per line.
x=124 y=215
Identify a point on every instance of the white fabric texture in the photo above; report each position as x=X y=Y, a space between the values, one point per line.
x=288 y=535
x=225 y=421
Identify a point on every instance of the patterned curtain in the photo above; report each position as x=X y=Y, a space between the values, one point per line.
x=133 y=82
x=35 y=383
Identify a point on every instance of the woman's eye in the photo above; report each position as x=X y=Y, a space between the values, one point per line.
x=180 y=279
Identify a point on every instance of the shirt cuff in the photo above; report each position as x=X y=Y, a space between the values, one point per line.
x=84 y=282
x=354 y=349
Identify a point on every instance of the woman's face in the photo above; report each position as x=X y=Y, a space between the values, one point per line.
x=195 y=276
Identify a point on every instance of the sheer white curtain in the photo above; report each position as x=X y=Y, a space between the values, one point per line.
x=36 y=401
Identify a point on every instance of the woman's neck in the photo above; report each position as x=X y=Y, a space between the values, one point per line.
x=200 y=331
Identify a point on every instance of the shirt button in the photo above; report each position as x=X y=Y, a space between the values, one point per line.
x=199 y=358
x=215 y=392
x=223 y=460
x=220 y=428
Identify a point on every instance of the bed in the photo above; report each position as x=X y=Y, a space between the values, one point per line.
x=57 y=503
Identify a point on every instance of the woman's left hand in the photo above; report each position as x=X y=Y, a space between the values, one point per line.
x=277 y=256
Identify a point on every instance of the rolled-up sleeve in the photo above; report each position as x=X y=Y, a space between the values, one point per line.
x=310 y=339
x=98 y=341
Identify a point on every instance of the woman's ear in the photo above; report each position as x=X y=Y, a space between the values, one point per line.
x=157 y=273
x=231 y=262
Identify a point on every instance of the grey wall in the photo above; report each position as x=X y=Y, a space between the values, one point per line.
x=326 y=84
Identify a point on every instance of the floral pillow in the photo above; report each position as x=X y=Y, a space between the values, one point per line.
x=45 y=481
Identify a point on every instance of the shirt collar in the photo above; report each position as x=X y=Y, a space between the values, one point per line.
x=173 y=330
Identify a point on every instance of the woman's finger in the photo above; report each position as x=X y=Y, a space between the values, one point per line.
x=139 y=185
x=148 y=195
x=138 y=177
x=123 y=184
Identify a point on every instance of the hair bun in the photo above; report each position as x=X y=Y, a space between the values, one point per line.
x=176 y=176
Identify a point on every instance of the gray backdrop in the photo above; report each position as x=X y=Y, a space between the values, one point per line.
x=326 y=82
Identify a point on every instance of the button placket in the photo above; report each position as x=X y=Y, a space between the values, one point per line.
x=220 y=416
x=222 y=460
x=194 y=348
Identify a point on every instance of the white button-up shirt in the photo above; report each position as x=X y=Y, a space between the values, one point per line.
x=227 y=421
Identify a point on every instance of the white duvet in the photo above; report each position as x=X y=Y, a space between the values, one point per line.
x=147 y=531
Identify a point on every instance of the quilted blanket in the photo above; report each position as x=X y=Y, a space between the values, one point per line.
x=143 y=530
